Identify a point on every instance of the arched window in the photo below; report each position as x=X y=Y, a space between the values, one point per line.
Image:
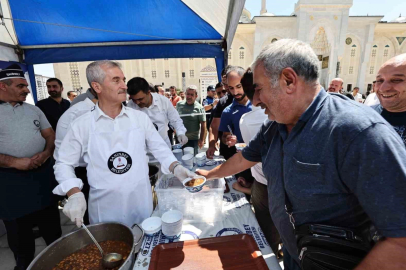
x=242 y=54
x=229 y=55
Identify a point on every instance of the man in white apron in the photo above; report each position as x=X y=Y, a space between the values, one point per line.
x=159 y=109
x=113 y=141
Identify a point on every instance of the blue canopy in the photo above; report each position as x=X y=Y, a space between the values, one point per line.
x=52 y=31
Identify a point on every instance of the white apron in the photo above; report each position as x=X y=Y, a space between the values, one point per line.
x=117 y=172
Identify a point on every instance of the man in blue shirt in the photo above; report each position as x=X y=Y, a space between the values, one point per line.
x=334 y=169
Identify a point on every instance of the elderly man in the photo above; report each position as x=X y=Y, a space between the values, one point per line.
x=158 y=108
x=391 y=92
x=26 y=175
x=193 y=123
x=336 y=86
x=54 y=106
x=113 y=141
x=326 y=168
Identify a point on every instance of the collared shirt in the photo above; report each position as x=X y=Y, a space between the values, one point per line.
x=66 y=119
x=250 y=124
x=53 y=110
x=334 y=169
x=162 y=105
x=88 y=94
x=175 y=100
x=192 y=122
x=20 y=129
x=75 y=144
x=231 y=117
x=372 y=100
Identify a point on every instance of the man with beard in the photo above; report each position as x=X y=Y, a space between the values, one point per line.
x=54 y=106
x=336 y=86
x=391 y=92
x=26 y=174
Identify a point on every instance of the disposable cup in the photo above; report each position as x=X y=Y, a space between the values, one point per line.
x=187 y=161
x=172 y=223
x=189 y=150
x=178 y=153
x=152 y=225
x=201 y=159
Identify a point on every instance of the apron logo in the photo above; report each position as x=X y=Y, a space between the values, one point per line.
x=119 y=163
x=36 y=123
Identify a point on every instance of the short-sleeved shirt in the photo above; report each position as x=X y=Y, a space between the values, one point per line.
x=20 y=129
x=191 y=123
x=175 y=100
x=221 y=105
x=53 y=110
x=231 y=117
x=334 y=169
x=208 y=101
x=396 y=119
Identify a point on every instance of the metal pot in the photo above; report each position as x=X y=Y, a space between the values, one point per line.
x=70 y=243
x=153 y=173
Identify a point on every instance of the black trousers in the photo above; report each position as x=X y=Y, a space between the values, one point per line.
x=259 y=198
x=20 y=236
x=81 y=173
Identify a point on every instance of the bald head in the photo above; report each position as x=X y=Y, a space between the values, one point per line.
x=391 y=84
x=336 y=85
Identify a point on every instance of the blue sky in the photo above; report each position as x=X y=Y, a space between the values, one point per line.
x=388 y=8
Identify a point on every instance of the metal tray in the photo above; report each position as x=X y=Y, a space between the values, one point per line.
x=226 y=252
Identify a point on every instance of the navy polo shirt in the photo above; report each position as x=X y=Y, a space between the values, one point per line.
x=231 y=116
x=342 y=164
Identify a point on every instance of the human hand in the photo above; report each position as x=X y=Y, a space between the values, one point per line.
x=204 y=173
x=210 y=152
x=237 y=186
x=200 y=143
x=40 y=158
x=75 y=208
x=24 y=164
x=182 y=173
x=231 y=140
x=182 y=139
x=215 y=102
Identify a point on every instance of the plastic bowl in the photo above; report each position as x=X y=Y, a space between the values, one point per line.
x=177 y=146
x=240 y=146
x=151 y=225
x=172 y=222
x=195 y=188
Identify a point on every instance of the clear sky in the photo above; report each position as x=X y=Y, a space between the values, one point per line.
x=388 y=8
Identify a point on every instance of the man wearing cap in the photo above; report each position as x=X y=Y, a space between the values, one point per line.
x=26 y=175
x=209 y=103
x=54 y=106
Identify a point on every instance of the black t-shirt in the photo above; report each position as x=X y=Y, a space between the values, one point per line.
x=53 y=110
x=398 y=121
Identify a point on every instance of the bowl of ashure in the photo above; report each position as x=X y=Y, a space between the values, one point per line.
x=194 y=184
x=240 y=146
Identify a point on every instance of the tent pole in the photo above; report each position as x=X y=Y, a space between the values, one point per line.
x=31 y=73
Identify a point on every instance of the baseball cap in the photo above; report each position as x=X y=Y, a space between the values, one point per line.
x=211 y=88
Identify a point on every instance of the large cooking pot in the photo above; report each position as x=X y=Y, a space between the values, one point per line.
x=74 y=241
x=153 y=173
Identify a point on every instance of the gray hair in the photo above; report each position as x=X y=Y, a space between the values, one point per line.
x=285 y=53
x=95 y=73
x=240 y=70
x=192 y=87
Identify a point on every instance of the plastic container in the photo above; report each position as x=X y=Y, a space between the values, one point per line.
x=172 y=222
x=203 y=206
x=151 y=225
x=189 y=150
x=200 y=159
x=187 y=161
x=178 y=153
x=177 y=146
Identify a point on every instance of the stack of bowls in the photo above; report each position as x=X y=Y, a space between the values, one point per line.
x=187 y=161
x=189 y=150
x=172 y=224
x=178 y=153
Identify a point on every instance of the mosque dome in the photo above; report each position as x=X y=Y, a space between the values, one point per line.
x=400 y=19
x=245 y=16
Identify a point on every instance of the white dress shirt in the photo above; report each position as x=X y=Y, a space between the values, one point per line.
x=66 y=119
x=75 y=144
x=161 y=112
x=250 y=123
x=372 y=99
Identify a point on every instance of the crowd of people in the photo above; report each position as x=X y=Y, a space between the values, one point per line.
x=316 y=163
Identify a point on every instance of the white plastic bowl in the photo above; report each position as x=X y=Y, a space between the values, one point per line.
x=151 y=225
x=172 y=222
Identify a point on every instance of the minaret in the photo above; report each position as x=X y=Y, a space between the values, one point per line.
x=263 y=7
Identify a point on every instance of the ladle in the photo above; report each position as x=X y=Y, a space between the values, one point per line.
x=110 y=260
